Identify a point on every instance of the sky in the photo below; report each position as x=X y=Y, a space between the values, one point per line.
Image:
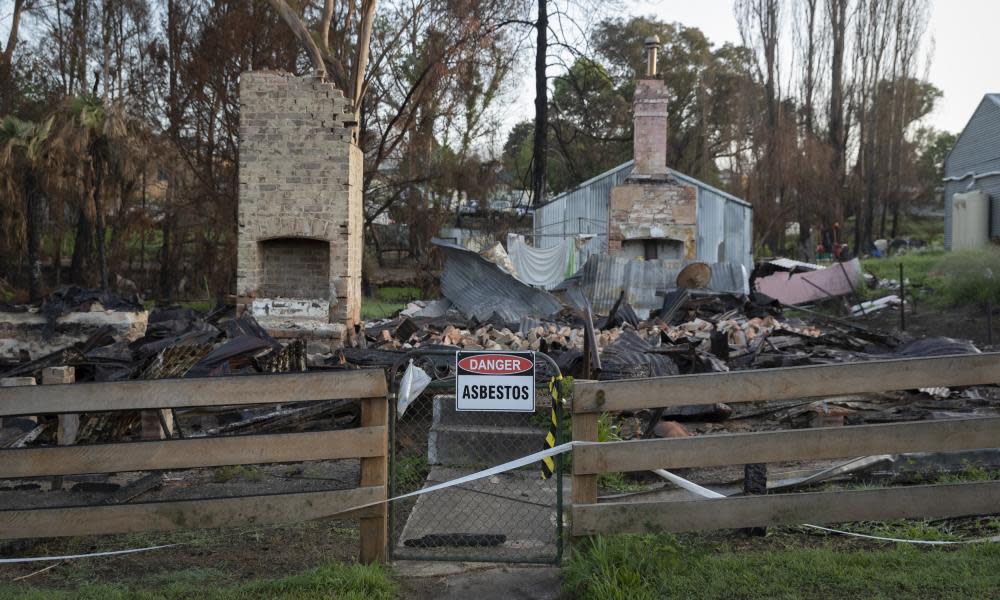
x=962 y=32
x=963 y=63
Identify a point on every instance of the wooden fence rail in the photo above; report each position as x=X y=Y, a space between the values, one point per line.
x=592 y=398
x=369 y=443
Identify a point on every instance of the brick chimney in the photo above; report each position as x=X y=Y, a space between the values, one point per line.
x=652 y=215
x=650 y=118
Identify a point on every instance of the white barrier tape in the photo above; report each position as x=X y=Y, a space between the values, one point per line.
x=507 y=466
x=687 y=485
x=995 y=538
x=75 y=556
x=510 y=466
x=707 y=493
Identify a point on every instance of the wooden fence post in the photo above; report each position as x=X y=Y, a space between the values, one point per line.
x=584 y=430
x=17 y=382
x=374 y=530
x=68 y=423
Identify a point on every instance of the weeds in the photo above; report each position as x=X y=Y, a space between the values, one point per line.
x=231 y=472
x=658 y=566
x=411 y=472
x=970 y=277
x=969 y=473
x=334 y=580
x=618 y=483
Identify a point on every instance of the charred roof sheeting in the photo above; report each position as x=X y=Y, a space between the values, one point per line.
x=480 y=289
x=630 y=357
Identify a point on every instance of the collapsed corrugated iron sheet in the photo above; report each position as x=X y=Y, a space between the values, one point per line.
x=480 y=289
x=604 y=277
x=839 y=279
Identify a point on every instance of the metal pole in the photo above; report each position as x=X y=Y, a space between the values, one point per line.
x=902 y=300
x=857 y=298
x=989 y=322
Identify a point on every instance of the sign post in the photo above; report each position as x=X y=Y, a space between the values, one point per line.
x=494 y=381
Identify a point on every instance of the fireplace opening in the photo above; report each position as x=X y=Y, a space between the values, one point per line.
x=295 y=268
x=653 y=249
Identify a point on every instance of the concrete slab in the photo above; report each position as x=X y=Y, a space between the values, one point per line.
x=518 y=505
x=493 y=583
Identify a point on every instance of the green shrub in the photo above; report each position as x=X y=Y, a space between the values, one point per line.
x=969 y=277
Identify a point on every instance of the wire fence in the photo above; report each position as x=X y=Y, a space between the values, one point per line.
x=510 y=517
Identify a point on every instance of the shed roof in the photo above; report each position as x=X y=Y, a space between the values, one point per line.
x=629 y=164
x=988 y=99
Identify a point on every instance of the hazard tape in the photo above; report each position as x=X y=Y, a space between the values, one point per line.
x=549 y=463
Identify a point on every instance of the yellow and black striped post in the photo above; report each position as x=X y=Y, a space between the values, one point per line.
x=549 y=463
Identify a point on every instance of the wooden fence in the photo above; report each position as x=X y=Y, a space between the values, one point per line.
x=951 y=500
x=369 y=443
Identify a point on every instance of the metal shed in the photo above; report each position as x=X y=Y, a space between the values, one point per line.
x=974 y=164
x=724 y=222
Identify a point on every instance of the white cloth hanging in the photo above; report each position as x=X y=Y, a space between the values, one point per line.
x=542 y=267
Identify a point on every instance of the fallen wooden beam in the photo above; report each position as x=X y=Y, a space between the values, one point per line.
x=911 y=502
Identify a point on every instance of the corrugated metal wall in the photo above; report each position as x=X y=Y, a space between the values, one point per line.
x=581 y=210
x=724 y=221
x=976 y=151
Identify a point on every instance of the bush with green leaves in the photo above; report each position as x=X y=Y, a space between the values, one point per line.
x=971 y=277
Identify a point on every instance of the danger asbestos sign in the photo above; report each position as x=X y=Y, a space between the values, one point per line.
x=499 y=381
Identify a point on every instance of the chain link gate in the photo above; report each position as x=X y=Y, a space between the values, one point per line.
x=515 y=516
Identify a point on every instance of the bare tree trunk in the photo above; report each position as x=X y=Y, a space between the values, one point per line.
x=361 y=62
x=81 y=248
x=302 y=32
x=166 y=258
x=838 y=24
x=99 y=229
x=540 y=145
x=34 y=226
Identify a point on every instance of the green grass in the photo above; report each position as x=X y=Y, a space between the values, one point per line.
x=374 y=309
x=946 y=278
x=969 y=473
x=397 y=294
x=918 y=267
x=618 y=483
x=411 y=472
x=640 y=567
x=231 y=472
x=387 y=301
x=970 y=277
x=334 y=580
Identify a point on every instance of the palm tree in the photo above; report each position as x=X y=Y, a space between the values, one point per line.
x=23 y=153
x=96 y=133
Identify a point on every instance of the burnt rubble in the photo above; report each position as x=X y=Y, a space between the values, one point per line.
x=693 y=331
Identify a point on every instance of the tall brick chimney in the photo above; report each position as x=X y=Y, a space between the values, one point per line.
x=650 y=118
x=652 y=215
x=300 y=218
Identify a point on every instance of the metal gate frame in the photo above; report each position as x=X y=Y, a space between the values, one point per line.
x=447 y=385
